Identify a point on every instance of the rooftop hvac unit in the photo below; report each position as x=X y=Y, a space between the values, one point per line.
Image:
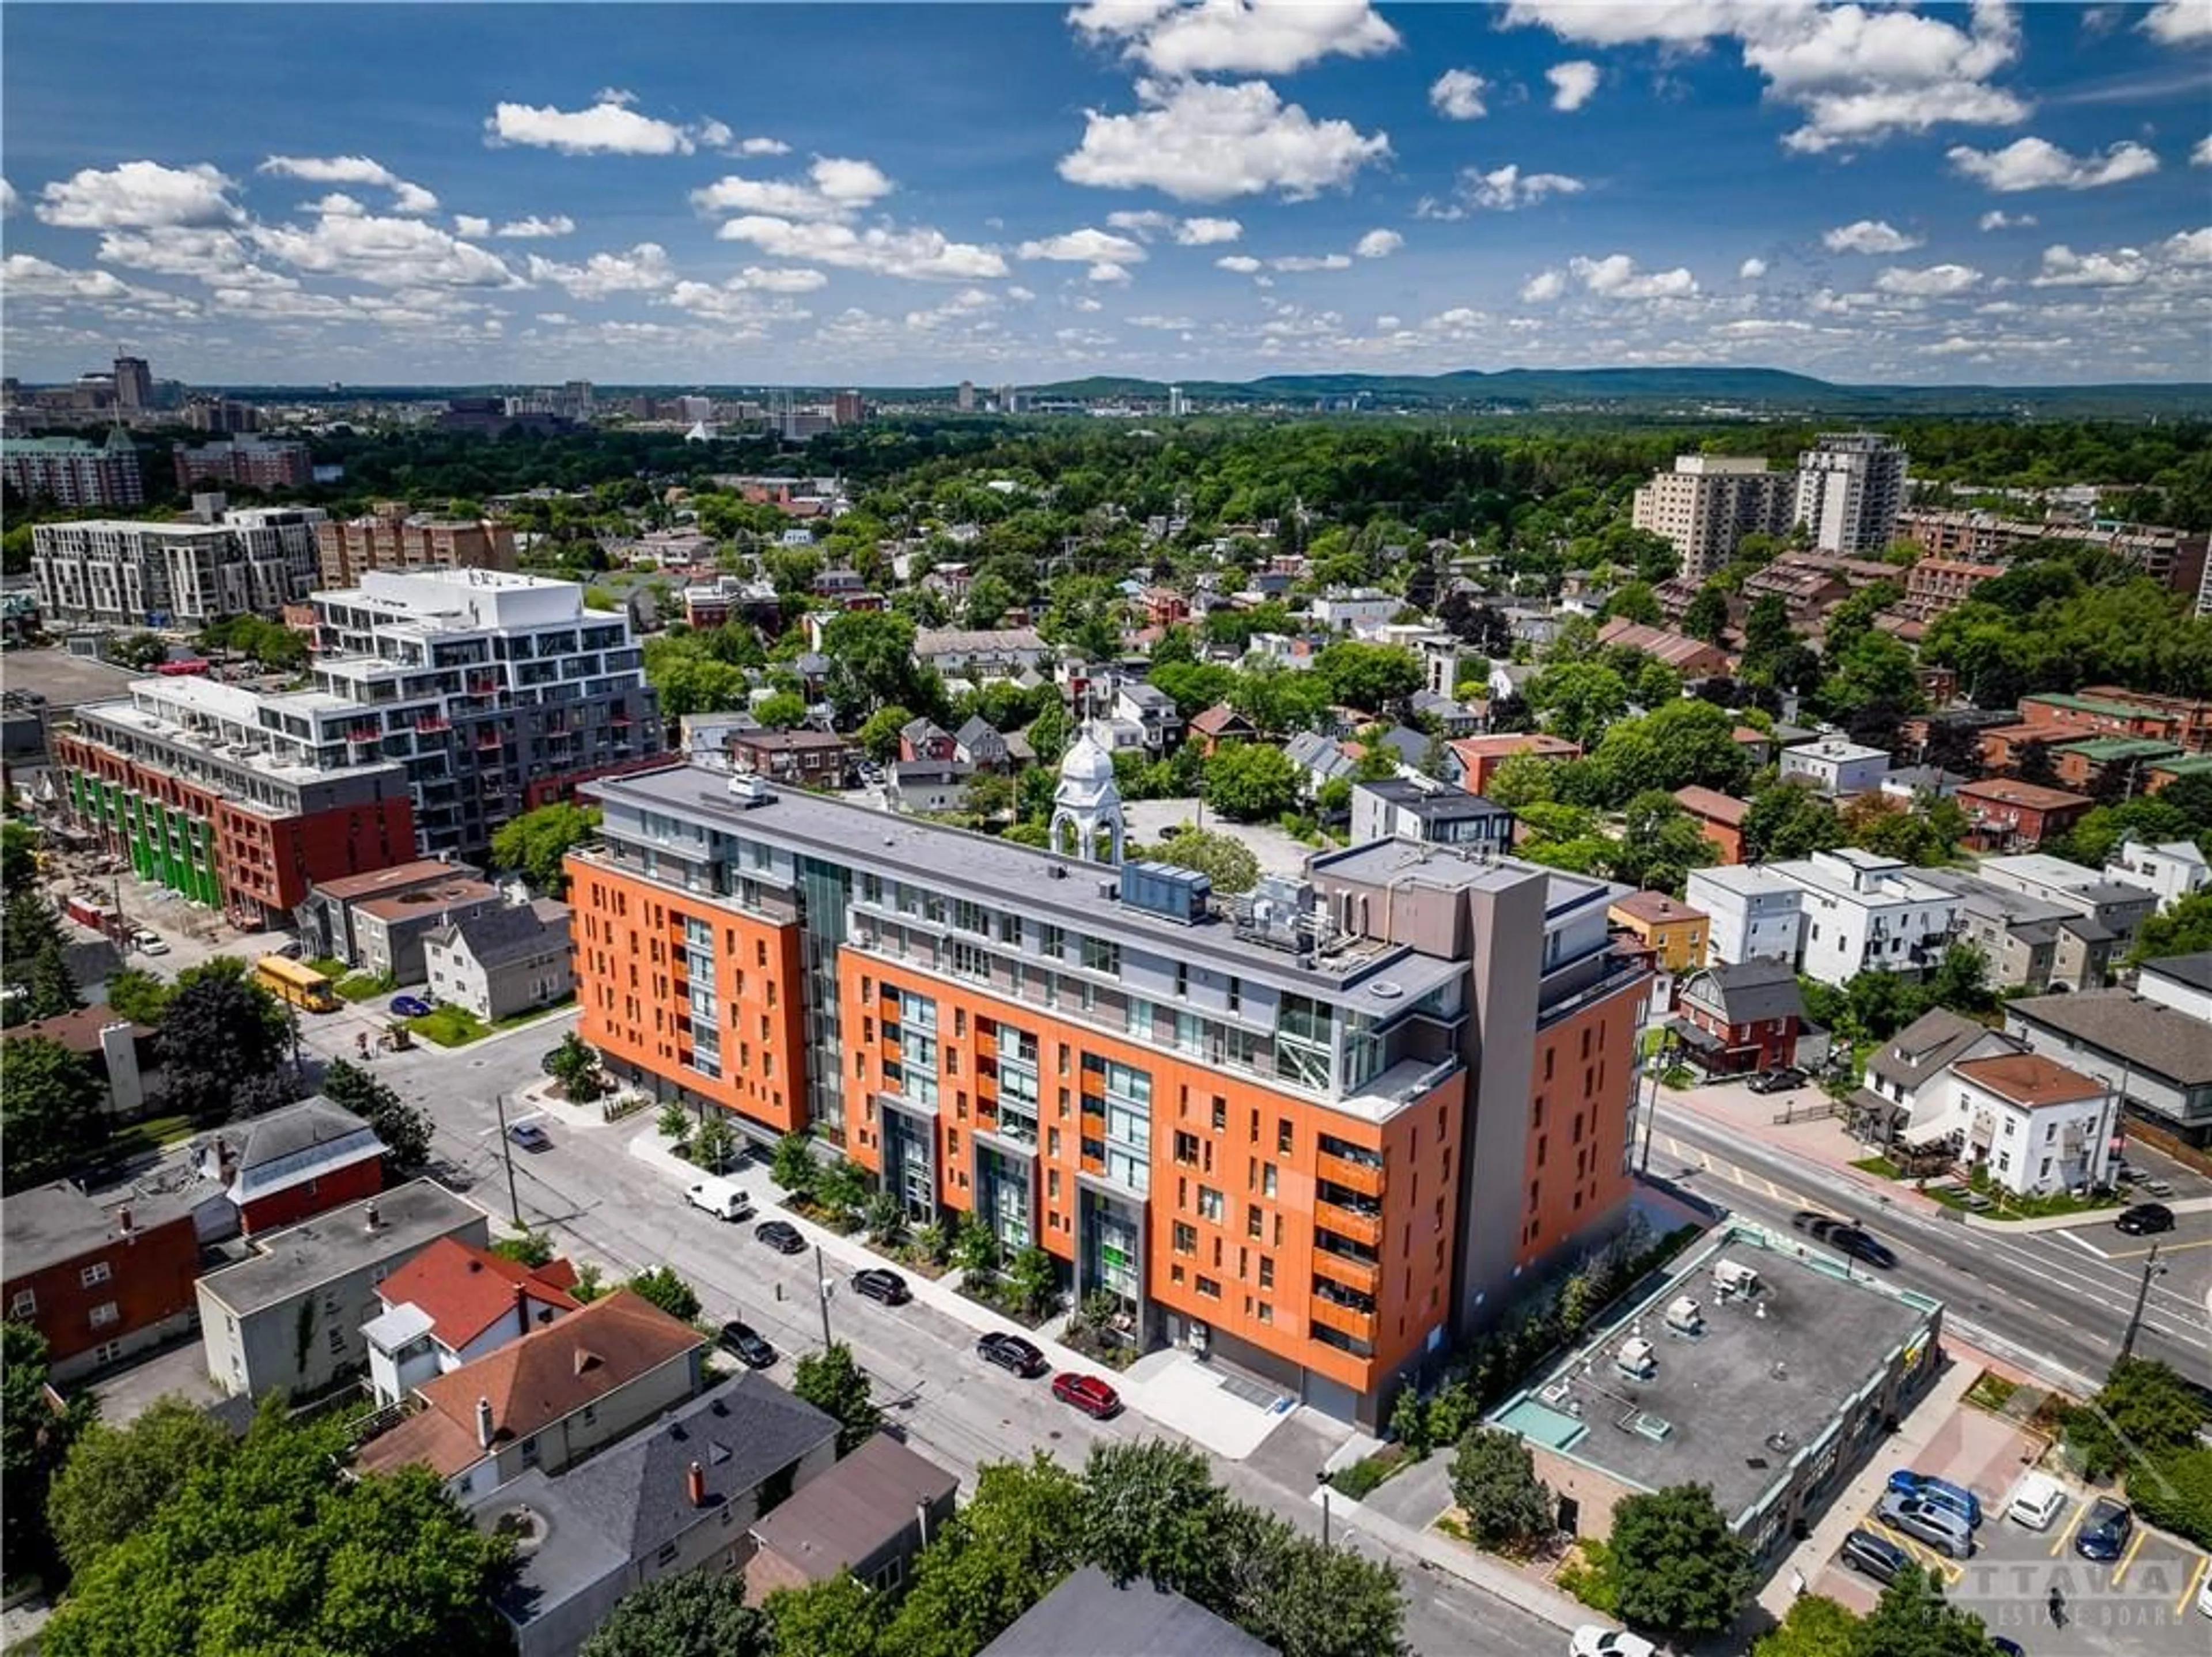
x=747 y=790
x=1733 y=1278
x=1684 y=1316
x=1637 y=1359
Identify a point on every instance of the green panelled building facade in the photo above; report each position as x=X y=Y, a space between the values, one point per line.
x=164 y=844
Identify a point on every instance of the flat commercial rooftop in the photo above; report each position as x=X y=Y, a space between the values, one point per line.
x=1733 y=1407
x=409 y=1218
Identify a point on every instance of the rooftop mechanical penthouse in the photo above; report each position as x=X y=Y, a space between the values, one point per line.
x=1312 y=1130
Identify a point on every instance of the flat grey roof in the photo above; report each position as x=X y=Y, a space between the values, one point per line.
x=1087 y=1616
x=1743 y=1400
x=1002 y=872
x=407 y=1219
x=1433 y=805
x=2148 y=1034
x=49 y=1224
x=1455 y=868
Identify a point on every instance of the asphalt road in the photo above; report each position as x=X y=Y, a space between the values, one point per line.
x=2055 y=1302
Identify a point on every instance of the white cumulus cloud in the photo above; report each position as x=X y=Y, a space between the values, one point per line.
x=644 y=269
x=1997 y=219
x=918 y=253
x=534 y=227
x=471 y=226
x=353 y=169
x=1544 y=287
x=1933 y=282
x=1085 y=247
x=2038 y=164
x=1208 y=232
x=2180 y=22
x=1868 y=236
x=1752 y=269
x=834 y=187
x=390 y=253
x=1224 y=37
x=2200 y=156
x=1295 y=262
x=139 y=195
x=1503 y=189
x=1457 y=95
x=1240 y=264
x=608 y=127
x=1572 y=83
x=1378 y=244
x=1201 y=140
x=9 y=199
x=2123 y=267
x=1616 y=276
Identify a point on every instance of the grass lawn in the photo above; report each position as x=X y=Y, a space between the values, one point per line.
x=450 y=1027
x=329 y=966
x=2003 y=1205
x=1878 y=1165
x=153 y=1134
x=1992 y=1392
x=359 y=987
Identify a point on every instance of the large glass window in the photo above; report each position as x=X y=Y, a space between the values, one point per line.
x=1301 y=1039
x=1363 y=1050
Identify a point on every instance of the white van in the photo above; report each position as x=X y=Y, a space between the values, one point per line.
x=723 y=1199
x=2038 y=1501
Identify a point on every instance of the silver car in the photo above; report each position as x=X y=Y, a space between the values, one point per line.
x=1924 y=1522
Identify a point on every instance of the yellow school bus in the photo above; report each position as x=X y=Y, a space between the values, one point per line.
x=295 y=982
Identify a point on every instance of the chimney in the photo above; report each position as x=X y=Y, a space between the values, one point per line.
x=373 y=1219
x=522 y=1308
x=483 y=1424
x=123 y=1224
x=695 y=1485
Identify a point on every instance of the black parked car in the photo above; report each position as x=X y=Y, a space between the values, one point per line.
x=1777 y=1081
x=743 y=1342
x=780 y=1235
x=1872 y=1555
x=2144 y=1218
x=879 y=1284
x=1864 y=1248
x=2104 y=1529
x=1012 y=1352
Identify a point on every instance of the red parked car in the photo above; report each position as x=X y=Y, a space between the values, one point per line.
x=1087 y=1394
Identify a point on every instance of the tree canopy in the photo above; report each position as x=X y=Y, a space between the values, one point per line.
x=116 y=1478
x=1678 y=1566
x=534 y=844
x=834 y=1383
x=696 y=1614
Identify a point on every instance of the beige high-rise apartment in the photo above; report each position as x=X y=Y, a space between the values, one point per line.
x=1709 y=502
x=1851 y=487
x=392 y=537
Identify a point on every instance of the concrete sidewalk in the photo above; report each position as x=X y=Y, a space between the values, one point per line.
x=1437 y=1551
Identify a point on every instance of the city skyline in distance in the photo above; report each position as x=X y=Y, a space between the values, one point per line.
x=1029 y=194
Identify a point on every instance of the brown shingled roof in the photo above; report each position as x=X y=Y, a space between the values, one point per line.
x=2030 y=1079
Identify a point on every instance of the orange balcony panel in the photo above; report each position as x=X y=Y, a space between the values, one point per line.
x=1352 y=1274
x=1352 y=1176
x=1360 y=1325
x=1359 y=1228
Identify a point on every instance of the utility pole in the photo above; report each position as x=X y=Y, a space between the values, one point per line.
x=1658 y=1065
x=2151 y=1268
x=507 y=1150
x=821 y=1296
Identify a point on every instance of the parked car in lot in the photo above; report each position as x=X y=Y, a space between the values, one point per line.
x=886 y=1286
x=1778 y=1081
x=1941 y=1492
x=1924 y=1522
x=2038 y=1501
x=410 y=1007
x=780 y=1235
x=2105 y=1530
x=2143 y=1219
x=149 y=943
x=743 y=1342
x=1872 y=1555
x=1592 y=1641
x=530 y=1137
x=1087 y=1394
x=723 y=1199
x=1012 y=1352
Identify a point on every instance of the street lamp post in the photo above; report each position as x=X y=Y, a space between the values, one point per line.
x=2151 y=1268
x=1661 y=1060
x=821 y=1296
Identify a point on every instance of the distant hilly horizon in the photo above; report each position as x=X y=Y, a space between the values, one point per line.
x=1649 y=390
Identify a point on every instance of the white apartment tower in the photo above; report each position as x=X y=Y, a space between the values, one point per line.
x=1851 y=487
x=1709 y=502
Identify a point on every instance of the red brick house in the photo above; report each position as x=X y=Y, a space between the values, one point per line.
x=2005 y=814
x=1732 y=1021
x=1221 y=723
x=809 y=759
x=1719 y=818
x=924 y=741
x=99 y=1283
x=280 y=1168
x=1480 y=756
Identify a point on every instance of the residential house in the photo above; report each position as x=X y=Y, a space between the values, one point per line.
x=802 y=757
x=1909 y=1079
x=1863 y=913
x=704 y=739
x=2181 y=982
x=1836 y=768
x=1091 y=1615
x=99 y=1283
x=681 y=1494
x=1719 y=818
x=2005 y=814
x=291 y=1316
x=2115 y=906
x=2109 y=711
x=980 y=654
x=1754 y=914
x=1221 y=723
x=1399 y=809
x=925 y=740
x=1674 y=932
x=326 y=917
x=2035 y=1125
x=1510 y=679
x=1732 y=1021
x=296 y=1160
x=1693 y=658
x=1152 y=711
x=547 y=1401
x=871 y=1514
x=2171 y=869
x=980 y=745
x=1448 y=716
x=923 y=785
x=1347 y=609
x=1323 y=759
x=1480 y=756
x=2157 y=1057
x=389 y=930
x=2030 y=942
x=122 y=1056
x=1910 y=784
x=504 y=961
x=451 y=1305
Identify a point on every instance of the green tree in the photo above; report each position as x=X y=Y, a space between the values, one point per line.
x=840 y=1618
x=784 y=711
x=1050 y=733
x=2144 y=1409
x=1493 y=1480
x=1222 y=858
x=1370 y=676
x=2183 y=930
x=19 y=855
x=840 y=1186
x=663 y=1288
x=1306 y=1600
x=276 y=1549
x=115 y=1477
x=575 y=1065
x=1523 y=779
x=872 y=665
x=1680 y=744
x=1634 y=601
x=1680 y=1568
x=1913 y=1619
x=534 y=844
x=35 y=1440
x=1032 y=1280
x=883 y=1218
x=793 y=1166
x=975 y=1247
x=1151 y=1511
x=138 y=995
x=1767 y=635
x=1578 y=700
x=404 y=1128
x=1660 y=844
x=1815 y=1627
x=836 y=1385
x=1789 y=820
x=879 y=735
x=696 y=1613
x=1020 y=1533
x=1250 y=782
x=1279 y=700
x=715 y=1143
x=225 y=1044
x=1707 y=617
x=50 y=1110
x=1195 y=686
x=49 y=987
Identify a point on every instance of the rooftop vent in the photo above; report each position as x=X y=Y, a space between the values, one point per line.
x=1657 y=1428
x=1637 y=1359
x=1684 y=1316
x=1384 y=989
x=747 y=790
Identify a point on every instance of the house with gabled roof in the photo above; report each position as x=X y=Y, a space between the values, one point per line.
x=278 y=1168
x=1735 y=1020
x=452 y=1304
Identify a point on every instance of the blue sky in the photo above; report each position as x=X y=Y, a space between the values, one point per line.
x=915 y=193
